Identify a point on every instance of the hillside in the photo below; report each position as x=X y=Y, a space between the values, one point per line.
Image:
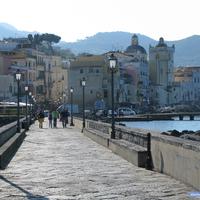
x=106 y=41
x=7 y=30
x=186 y=50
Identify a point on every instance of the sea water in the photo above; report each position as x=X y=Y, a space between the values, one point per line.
x=166 y=125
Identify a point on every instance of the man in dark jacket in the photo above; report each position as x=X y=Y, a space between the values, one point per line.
x=64 y=117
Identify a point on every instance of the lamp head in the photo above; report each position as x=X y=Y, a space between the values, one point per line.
x=83 y=82
x=112 y=61
x=26 y=88
x=18 y=75
x=71 y=90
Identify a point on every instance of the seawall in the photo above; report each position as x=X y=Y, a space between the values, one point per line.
x=177 y=157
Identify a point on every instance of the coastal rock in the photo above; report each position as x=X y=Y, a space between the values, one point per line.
x=175 y=133
x=165 y=133
x=197 y=133
x=191 y=137
x=187 y=132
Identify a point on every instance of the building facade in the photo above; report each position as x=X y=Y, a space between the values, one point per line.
x=131 y=78
x=186 y=88
x=91 y=68
x=44 y=74
x=135 y=72
x=161 y=67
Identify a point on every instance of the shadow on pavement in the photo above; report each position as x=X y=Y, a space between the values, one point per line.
x=28 y=194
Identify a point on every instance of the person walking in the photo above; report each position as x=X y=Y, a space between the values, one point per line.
x=41 y=118
x=64 y=117
x=50 y=118
x=55 y=116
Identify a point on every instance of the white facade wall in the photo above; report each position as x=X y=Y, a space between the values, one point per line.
x=7 y=88
x=187 y=89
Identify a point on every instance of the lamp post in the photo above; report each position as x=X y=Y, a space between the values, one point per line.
x=18 y=77
x=83 y=85
x=30 y=108
x=26 y=92
x=71 y=92
x=64 y=100
x=112 y=66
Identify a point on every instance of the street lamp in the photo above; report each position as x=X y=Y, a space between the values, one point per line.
x=71 y=92
x=18 y=77
x=64 y=100
x=83 y=85
x=30 y=107
x=112 y=66
x=26 y=92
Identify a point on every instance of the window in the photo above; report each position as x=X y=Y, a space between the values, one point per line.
x=105 y=93
x=91 y=70
x=81 y=71
x=41 y=75
x=39 y=89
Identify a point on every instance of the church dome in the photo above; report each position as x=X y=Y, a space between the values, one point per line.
x=161 y=43
x=135 y=47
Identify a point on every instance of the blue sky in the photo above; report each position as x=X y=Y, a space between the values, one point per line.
x=77 y=19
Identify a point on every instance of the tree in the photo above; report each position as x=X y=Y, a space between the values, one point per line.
x=50 y=38
x=37 y=39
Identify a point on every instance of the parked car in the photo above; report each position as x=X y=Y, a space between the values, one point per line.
x=109 y=113
x=125 y=111
x=99 y=113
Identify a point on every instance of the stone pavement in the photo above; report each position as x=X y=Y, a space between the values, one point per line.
x=64 y=164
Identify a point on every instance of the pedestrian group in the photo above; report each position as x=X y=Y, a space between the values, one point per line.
x=53 y=117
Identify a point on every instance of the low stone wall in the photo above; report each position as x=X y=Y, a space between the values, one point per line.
x=177 y=157
x=7 y=132
x=10 y=142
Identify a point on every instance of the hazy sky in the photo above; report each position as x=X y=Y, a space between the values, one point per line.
x=77 y=19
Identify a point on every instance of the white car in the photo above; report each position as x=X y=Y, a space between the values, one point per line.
x=125 y=112
x=110 y=113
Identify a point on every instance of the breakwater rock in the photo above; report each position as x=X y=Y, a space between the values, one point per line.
x=185 y=134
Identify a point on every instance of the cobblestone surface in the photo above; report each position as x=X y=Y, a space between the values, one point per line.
x=64 y=164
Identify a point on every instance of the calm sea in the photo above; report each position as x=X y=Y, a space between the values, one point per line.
x=179 y=125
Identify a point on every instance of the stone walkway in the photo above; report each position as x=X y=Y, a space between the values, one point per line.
x=64 y=164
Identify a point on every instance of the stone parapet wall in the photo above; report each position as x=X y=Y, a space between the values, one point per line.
x=7 y=132
x=136 y=136
x=10 y=141
x=177 y=157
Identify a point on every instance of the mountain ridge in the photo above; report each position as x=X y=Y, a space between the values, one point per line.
x=186 y=49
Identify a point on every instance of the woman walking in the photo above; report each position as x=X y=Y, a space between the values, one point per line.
x=50 y=118
x=41 y=118
x=55 y=116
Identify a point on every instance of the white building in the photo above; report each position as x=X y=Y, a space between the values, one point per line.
x=186 y=87
x=7 y=88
